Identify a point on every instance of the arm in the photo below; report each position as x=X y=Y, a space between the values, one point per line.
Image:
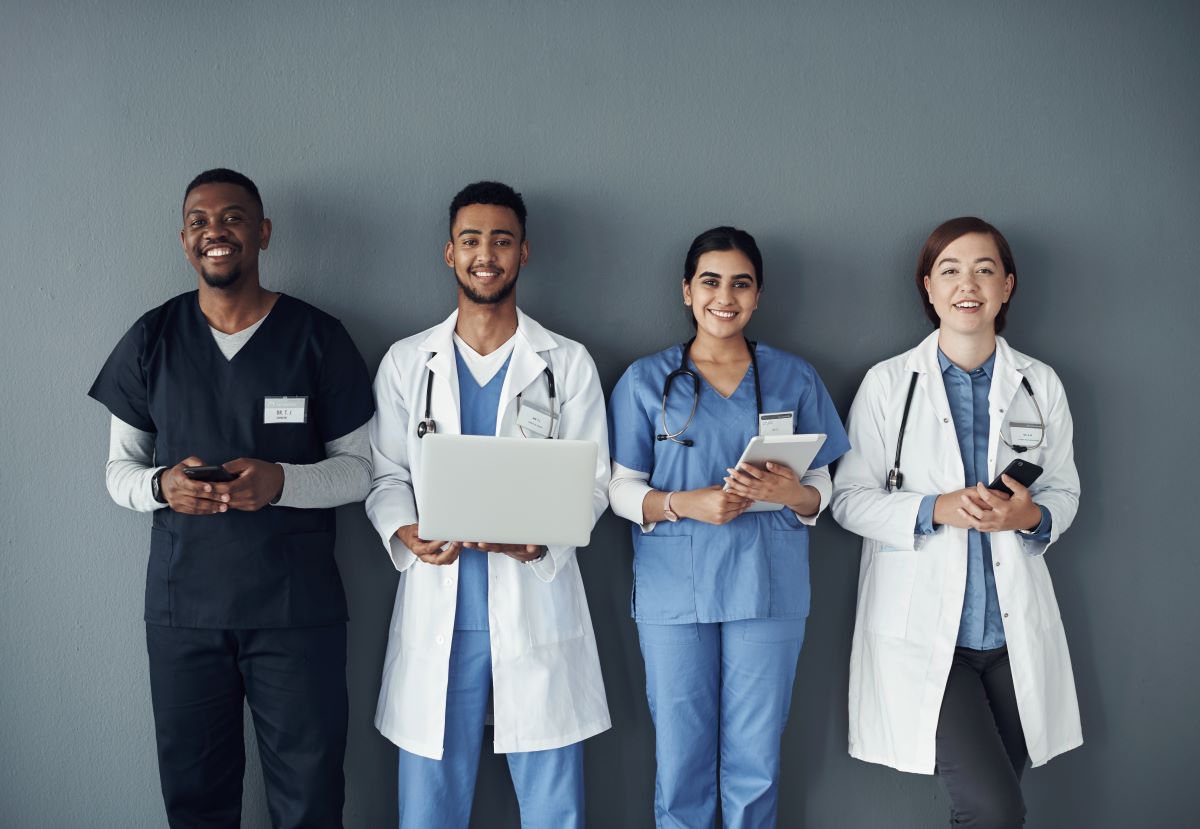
x=391 y=503
x=130 y=467
x=344 y=477
x=861 y=503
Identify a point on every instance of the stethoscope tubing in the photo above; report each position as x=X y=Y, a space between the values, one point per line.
x=428 y=426
x=684 y=371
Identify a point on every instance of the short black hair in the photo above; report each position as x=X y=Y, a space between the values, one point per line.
x=222 y=175
x=488 y=192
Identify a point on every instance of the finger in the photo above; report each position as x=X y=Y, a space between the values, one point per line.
x=751 y=470
x=237 y=465
x=192 y=460
x=971 y=521
x=782 y=470
x=970 y=508
x=984 y=494
x=1019 y=489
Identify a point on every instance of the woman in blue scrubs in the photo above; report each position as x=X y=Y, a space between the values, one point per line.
x=721 y=595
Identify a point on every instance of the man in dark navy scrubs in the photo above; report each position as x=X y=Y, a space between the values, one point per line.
x=243 y=596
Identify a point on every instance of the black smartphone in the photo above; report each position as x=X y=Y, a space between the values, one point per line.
x=1023 y=472
x=209 y=474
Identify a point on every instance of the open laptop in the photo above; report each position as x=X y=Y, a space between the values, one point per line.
x=506 y=490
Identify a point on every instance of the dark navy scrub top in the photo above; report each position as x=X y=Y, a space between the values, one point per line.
x=265 y=569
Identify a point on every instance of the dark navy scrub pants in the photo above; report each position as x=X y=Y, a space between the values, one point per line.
x=981 y=750
x=294 y=680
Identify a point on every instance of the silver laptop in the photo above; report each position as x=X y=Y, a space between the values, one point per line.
x=506 y=490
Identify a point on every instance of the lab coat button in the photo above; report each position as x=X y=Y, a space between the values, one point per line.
x=441 y=640
x=945 y=420
x=1005 y=615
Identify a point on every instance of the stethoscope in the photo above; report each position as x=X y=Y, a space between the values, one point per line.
x=428 y=426
x=895 y=478
x=684 y=371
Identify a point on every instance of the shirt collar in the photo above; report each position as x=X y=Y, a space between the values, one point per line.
x=988 y=365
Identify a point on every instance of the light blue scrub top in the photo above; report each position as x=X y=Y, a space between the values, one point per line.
x=756 y=566
x=478 y=417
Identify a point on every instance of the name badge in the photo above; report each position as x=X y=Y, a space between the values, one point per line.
x=1027 y=435
x=534 y=420
x=775 y=423
x=285 y=410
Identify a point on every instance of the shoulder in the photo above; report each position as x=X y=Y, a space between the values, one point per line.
x=778 y=360
x=151 y=325
x=1041 y=376
x=320 y=321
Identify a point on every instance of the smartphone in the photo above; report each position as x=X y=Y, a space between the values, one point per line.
x=209 y=474
x=1024 y=472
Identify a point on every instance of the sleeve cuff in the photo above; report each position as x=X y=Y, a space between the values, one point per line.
x=925 y=516
x=1041 y=533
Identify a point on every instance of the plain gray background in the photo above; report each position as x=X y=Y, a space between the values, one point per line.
x=839 y=133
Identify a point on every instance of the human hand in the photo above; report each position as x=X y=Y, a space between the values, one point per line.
x=521 y=552
x=187 y=496
x=258 y=484
x=992 y=511
x=950 y=508
x=711 y=505
x=430 y=552
x=776 y=483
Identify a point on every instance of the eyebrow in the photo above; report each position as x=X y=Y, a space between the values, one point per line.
x=977 y=261
x=720 y=276
x=496 y=231
x=224 y=209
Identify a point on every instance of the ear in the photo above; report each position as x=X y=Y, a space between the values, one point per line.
x=1009 y=281
x=927 y=296
x=448 y=253
x=524 y=251
x=183 y=242
x=264 y=234
x=687 y=293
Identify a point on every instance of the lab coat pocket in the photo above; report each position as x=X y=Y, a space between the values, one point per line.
x=663 y=587
x=790 y=590
x=552 y=609
x=158 y=577
x=887 y=593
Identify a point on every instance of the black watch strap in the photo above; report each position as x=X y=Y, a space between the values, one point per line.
x=156 y=486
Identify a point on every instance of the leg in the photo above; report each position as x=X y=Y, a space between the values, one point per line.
x=437 y=794
x=758 y=669
x=972 y=761
x=196 y=692
x=549 y=787
x=296 y=686
x=683 y=675
x=998 y=685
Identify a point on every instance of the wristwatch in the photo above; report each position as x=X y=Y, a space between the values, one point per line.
x=156 y=486
x=670 y=514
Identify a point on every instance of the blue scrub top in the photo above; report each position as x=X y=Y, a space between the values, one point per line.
x=756 y=566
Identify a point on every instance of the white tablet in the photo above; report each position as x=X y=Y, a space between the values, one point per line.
x=506 y=490
x=794 y=451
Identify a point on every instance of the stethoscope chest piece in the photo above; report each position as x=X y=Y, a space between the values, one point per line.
x=426 y=427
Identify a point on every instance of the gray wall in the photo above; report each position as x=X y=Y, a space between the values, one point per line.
x=838 y=133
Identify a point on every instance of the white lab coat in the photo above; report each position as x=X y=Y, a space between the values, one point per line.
x=547 y=688
x=911 y=588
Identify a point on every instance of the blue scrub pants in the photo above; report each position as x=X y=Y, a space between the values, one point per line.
x=294 y=680
x=439 y=793
x=719 y=694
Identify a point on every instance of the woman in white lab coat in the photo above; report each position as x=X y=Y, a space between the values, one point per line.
x=959 y=664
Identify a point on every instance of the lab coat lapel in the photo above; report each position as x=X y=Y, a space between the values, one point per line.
x=1006 y=384
x=526 y=364
x=923 y=360
x=441 y=362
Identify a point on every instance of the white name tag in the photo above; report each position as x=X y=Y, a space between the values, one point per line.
x=1027 y=435
x=775 y=423
x=285 y=410
x=534 y=420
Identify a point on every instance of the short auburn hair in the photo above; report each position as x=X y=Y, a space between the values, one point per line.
x=940 y=239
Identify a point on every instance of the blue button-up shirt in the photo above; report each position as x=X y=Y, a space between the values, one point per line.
x=981 y=626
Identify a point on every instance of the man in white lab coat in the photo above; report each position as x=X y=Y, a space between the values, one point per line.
x=477 y=619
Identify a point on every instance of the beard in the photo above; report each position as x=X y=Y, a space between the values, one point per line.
x=220 y=282
x=486 y=299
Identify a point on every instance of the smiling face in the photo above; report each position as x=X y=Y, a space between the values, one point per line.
x=967 y=285
x=223 y=231
x=486 y=251
x=723 y=293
